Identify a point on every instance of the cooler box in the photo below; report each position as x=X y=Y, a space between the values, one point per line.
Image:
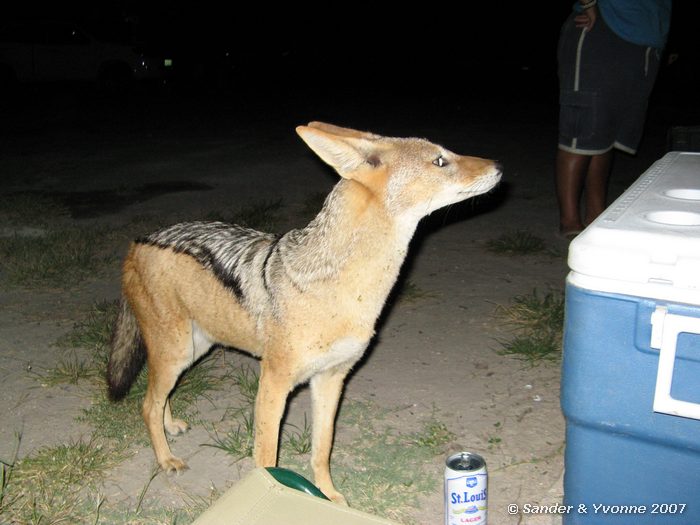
x=630 y=388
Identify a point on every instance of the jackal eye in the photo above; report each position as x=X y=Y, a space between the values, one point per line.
x=440 y=162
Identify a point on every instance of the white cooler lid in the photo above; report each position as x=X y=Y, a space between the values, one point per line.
x=647 y=243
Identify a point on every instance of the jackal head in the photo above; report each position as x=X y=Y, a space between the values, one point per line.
x=411 y=177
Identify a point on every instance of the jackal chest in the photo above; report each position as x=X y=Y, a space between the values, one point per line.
x=345 y=351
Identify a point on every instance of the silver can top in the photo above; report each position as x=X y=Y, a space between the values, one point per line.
x=466 y=461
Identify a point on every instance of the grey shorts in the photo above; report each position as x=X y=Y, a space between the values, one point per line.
x=604 y=88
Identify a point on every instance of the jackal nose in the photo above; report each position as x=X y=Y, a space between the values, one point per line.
x=499 y=167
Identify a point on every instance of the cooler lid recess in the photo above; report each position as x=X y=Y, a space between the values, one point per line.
x=647 y=243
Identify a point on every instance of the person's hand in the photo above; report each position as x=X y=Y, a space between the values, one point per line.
x=586 y=20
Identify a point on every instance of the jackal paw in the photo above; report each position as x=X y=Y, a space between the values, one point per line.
x=173 y=465
x=176 y=427
x=336 y=497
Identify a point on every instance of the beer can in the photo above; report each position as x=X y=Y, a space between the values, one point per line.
x=466 y=483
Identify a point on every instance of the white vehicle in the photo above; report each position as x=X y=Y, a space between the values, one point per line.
x=45 y=51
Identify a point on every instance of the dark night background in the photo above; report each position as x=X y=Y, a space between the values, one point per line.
x=398 y=69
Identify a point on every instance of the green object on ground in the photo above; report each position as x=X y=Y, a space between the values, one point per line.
x=293 y=480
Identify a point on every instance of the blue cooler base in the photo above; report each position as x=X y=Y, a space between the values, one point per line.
x=624 y=462
x=622 y=480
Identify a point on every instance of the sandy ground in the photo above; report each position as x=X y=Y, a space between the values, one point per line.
x=433 y=355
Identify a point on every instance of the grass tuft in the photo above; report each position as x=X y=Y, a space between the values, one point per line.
x=7 y=467
x=57 y=484
x=532 y=349
x=434 y=436
x=535 y=313
x=71 y=369
x=61 y=258
x=410 y=293
x=93 y=333
x=78 y=462
x=385 y=472
x=538 y=323
x=238 y=442
x=298 y=440
x=32 y=209
x=517 y=242
x=248 y=382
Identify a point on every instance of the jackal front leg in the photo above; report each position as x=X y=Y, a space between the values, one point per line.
x=326 y=389
x=274 y=386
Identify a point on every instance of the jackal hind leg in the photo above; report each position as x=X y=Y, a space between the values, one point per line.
x=167 y=358
x=326 y=389
x=274 y=386
x=198 y=344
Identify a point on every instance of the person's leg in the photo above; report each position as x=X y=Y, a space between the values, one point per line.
x=596 y=186
x=571 y=170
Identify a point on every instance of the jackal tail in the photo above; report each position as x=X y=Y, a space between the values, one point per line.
x=127 y=354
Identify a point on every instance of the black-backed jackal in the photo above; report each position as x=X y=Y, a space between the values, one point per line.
x=305 y=302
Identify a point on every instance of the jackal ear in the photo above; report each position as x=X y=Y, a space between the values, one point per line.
x=343 y=132
x=344 y=153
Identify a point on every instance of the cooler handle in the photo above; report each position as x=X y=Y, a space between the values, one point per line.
x=665 y=328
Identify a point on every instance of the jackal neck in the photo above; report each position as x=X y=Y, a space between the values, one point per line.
x=352 y=224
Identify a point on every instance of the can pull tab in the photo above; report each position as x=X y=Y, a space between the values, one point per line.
x=665 y=328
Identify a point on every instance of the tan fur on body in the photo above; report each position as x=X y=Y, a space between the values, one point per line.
x=305 y=303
